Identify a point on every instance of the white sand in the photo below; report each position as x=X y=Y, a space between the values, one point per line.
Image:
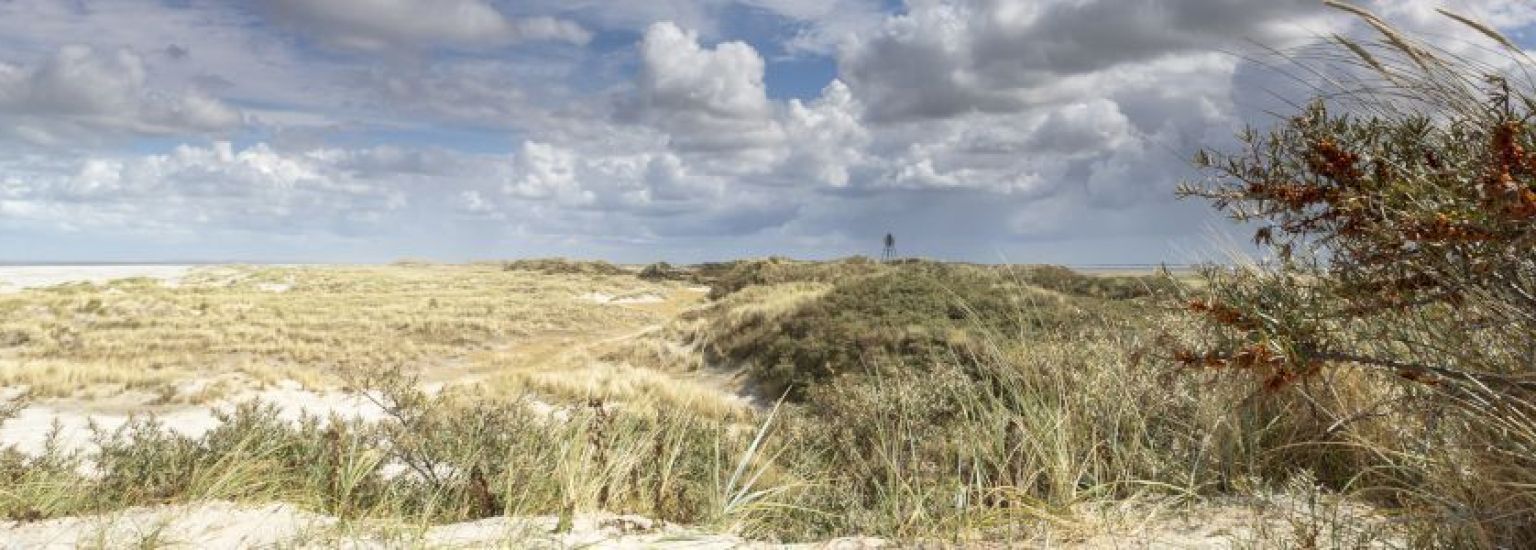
x=229 y=525
x=29 y=430
x=18 y=278
x=627 y=299
x=210 y=525
x=221 y=524
x=275 y=288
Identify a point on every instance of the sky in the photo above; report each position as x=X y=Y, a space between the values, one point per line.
x=634 y=131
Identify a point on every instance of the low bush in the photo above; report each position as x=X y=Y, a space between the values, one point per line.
x=730 y=277
x=905 y=316
x=562 y=266
x=663 y=271
x=1120 y=287
x=441 y=458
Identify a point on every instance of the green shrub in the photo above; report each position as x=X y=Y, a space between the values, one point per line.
x=727 y=278
x=558 y=266
x=663 y=271
x=434 y=458
x=1122 y=287
x=902 y=317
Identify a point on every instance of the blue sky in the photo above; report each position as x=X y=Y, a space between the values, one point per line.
x=684 y=130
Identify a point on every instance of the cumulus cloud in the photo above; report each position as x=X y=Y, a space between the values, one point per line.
x=80 y=89
x=826 y=136
x=548 y=172
x=255 y=188
x=550 y=189
x=640 y=183
x=377 y=25
x=943 y=58
x=1098 y=139
x=708 y=99
x=1095 y=99
x=1072 y=112
x=1087 y=126
x=712 y=105
x=679 y=75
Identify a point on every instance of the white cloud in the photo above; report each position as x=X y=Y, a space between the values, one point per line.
x=473 y=202
x=943 y=58
x=709 y=99
x=257 y=187
x=826 y=137
x=1082 y=127
x=962 y=125
x=824 y=25
x=713 y=108
x=1096 y=99
x=1503 y=14
x=378 y=25
x=547 y=172
x=640 y=183
x=79 y=90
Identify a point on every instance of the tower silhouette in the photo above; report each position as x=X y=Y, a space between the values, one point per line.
x=890 y=248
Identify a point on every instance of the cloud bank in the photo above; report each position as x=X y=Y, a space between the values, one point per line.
x=684 y=129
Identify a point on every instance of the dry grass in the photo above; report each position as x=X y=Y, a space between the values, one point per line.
x=599 y=369
x=303 y=323
x=683 y=343
x=559 y=404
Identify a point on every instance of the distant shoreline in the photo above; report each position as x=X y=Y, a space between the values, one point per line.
x=148 y=263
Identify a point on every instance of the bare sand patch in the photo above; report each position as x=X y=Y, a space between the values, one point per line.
x=207 y=525
x=624 y=299
x=647 y=298
x=274 y=287
x=222 y=524
x=70 y=422
x=22 y=277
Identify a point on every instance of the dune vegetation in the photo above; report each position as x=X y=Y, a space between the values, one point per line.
x=303 y=323
x=911 y=400
x=1370 y=387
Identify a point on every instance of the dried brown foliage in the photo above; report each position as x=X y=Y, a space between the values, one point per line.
x=1401 y=208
